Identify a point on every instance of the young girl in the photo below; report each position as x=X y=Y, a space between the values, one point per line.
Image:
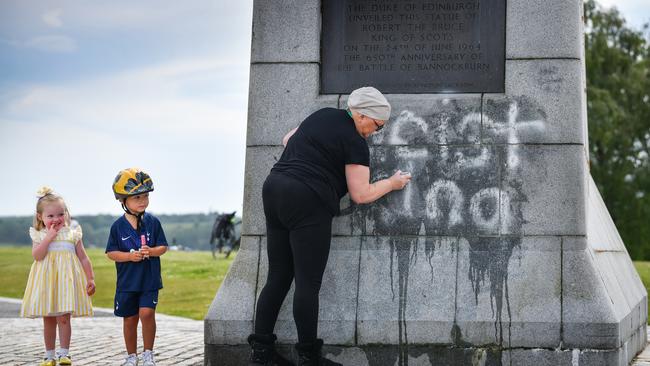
x=61 y=278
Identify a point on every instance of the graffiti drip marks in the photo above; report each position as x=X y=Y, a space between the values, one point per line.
x=460 y=189
x=489 y=259
x=405 y=251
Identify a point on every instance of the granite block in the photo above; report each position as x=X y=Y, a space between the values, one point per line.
x=538 y=357
x=603 y=235
x=286 y=31
x=544 y=29
x=406 y=290
x=342 y=224
x=338 y=295
x=542 y=104
x=281 y=96
x=542 y=190
x=501 y=299
x=259 y=161
x=590 y=317
x=623 y=311
x=229 y=320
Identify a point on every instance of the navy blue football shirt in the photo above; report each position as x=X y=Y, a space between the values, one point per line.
x=143 y=275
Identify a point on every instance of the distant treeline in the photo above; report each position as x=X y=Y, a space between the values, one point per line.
x=188 y=230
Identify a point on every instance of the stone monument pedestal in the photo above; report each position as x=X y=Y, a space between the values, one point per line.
x=501 y=250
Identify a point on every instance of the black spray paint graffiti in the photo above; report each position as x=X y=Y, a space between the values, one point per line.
x=466 y=184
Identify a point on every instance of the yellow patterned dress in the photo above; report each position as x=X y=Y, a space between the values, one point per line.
x=57 y=283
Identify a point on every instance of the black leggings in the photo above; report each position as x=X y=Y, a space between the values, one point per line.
x=299 y=229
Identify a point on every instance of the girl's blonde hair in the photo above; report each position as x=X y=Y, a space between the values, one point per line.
x=46 y=195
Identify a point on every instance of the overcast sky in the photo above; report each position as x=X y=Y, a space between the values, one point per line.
x=635 y=12
x=90 y=87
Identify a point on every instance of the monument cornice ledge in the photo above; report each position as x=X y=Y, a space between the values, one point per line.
x=541 y=58
x=284 y=62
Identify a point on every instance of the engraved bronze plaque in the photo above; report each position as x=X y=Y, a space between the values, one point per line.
x=414 y=46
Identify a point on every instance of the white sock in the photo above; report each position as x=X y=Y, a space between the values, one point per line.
x=147 y=351
x=49 y=354
x=63 y=352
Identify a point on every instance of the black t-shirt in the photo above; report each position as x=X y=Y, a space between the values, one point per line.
x=317 y=153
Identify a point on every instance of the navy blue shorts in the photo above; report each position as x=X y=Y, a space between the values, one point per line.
x=128 y=304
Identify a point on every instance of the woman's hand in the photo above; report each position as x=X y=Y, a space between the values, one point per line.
x=90 y=287
x=399 y=180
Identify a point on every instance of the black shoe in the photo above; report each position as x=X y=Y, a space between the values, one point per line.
x=263 y=351
x=309 y=354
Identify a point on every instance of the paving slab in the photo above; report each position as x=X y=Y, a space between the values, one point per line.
x=98 y=339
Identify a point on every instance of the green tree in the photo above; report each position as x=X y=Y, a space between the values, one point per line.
x=618 y=106
x=189 y=230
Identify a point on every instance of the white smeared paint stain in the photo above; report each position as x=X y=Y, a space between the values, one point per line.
x=468 y=119
x=411 y=153
x=449 y=191
x=479 y=161
x=409 y=190
x=479 y=357
x=370 y=224
x=485 y=195
x=422 y=360
x=441 y=122
x=513 y=128
x=405 y=117
x=506 y=212
x=423 y=230
x=414 y=158
x=444 y=153
x=350 y=356
x=575 y=357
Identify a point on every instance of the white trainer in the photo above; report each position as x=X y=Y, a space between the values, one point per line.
x=131 y=360
x=147 y=359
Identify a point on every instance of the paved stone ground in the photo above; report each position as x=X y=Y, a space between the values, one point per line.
x=98 y=340
x=643 y=359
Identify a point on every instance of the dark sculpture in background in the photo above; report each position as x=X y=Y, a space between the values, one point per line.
x=226 y=234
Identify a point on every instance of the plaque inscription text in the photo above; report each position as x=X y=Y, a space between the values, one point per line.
x=413 y=46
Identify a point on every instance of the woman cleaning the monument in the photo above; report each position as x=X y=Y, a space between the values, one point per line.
x=324 y=158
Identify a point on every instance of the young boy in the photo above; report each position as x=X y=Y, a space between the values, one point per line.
x=136 y=242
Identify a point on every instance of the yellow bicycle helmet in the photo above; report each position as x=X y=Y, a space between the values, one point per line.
x=131 y=182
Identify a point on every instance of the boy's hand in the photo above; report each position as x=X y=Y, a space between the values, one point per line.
x=90 y=287
x=145 y=250
x=135 y=255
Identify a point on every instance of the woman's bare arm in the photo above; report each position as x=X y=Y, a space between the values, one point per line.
x=362 y=191
x=285 y=139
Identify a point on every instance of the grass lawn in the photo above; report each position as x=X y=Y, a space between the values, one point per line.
x=643 y=268
x=191 y=279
